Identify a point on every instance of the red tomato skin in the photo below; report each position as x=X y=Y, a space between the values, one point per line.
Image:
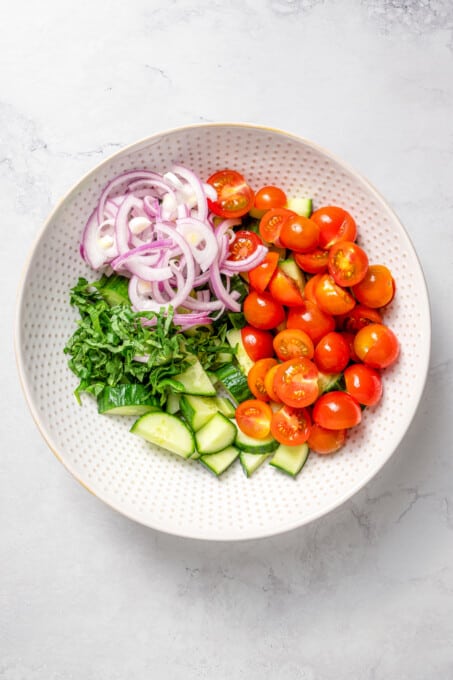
x=254 y=418
x=311 y=319
x=244 y=244
x=364 y=384
x=260 y=276
x=331 y=297
x=269 y=197
x=231 y=188
x=314 y=262
x=257 y=343
x=296 y=382
x=377 y=346
x=335 y=224
x=337 y=411
x=285 y=290
x=377 y=288
x=291 y=426
x=357 y=318
x=300 y=234
x=323 y=441
x=262 y=311
x=332 y=353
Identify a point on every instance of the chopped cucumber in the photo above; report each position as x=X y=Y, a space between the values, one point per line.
x=167 y=431
x=114 y=289
x=329 y=381
x=196 y=381
x=225 y=406
x=216 y=435
x=173 y=403
x=291 y=269
x=126 y=400
x=251 y=445
x=198 y=410
x=234 y=337
x=301 y=206
x=251 y=461
x=290 y=459
x=221 y=461
x=234 y=382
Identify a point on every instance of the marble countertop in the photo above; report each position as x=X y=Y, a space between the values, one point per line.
x=366 y=592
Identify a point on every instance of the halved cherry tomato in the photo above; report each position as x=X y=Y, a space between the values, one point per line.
x=260 y=276
x=324 y=441
x=296 y=382
x=376 y=345
x=348 y=263
x=269 y=383
x=234 y=196
x=309 y=289
x=254 y=418
x=363 y=383
x=293 y=343
x=331 y=297
x=357 y=318
x=291 y=426
x=300 y=234
x=256 y=376
x=335 y=225
x=272 y=222
x=337 y=411
x=257 y=343
x=244 y=244
x=270 y=197
x=350 y=337
x=311 y=319
x=377 y=287
x=285 y=290
x=262 y=311
x=314 y=262
x=332 y=353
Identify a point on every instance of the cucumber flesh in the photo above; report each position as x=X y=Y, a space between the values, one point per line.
x=216 y=435
x=234 y=382
x=173 y=403
x=126 y=400
x=166 y=431
x=225 y=406
x=291 y=269
x=329 y=381
x=251 y=461
x=290 y=459
x=221 y=461
x=196 y=381
x=251 y=445
x=198 y=410
x=301 y=206
x=234 y=338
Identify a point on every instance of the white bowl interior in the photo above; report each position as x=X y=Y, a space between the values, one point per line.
x=153 y=486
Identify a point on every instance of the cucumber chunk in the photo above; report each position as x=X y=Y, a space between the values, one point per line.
x=301 y=206
x=173 y=403
x=290 y=459
x=126 y=400
x=251 y=461
x=216 y=435
x=234 y=337
x=225 y=406
x=291 y=269
x=196 y=381
x=221 y=461
x=198 y=410
x=167 y=431
x=234 y=382
x=251 y=445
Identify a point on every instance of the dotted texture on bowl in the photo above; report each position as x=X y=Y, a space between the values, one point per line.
x=151 y=485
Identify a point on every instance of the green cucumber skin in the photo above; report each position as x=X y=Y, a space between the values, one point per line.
x=258 y=460
x=198 y=411
x=218 y=433
x=164 y=430
x=257 y=446
x=195 y=381
x=234 y=382
x=128 y=399
x=281 y=466
x=226 y=458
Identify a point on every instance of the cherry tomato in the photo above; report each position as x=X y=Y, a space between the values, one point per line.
x=331 y=297
x=269 y=384
x=272 y=222
x=350 y=337
x=332 y=353
x=291 y=426
x=234 y=196
x=314 y=262
x=296 y=382
x=348 y=263
x=337 y=411
x=335 y=225
x=293 y=343
x=260 y=276
x=309 y=289
x=363 y=383
x=357 y=318
x=245 y=243
x=254 y=418
x=256 y=375
x=311 y=319
x=285 y=290
x=324 y=441
x=376 y=345
x=257 y=343
x=270 y=197
x=299 y=233
x=262 y=311
x=377 y=287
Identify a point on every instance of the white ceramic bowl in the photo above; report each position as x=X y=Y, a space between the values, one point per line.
x=159 y=489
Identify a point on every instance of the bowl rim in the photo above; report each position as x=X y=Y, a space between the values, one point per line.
x=20 y=292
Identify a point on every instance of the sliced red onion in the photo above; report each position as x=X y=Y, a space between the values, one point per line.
x=151 y=206
x=210 y=192
x=144 y=249
x=220 y=291
x=253 y=260
x=128 y=176
x=121 y=222
x=198 y=234
x=94 y=251
x=197 y=186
